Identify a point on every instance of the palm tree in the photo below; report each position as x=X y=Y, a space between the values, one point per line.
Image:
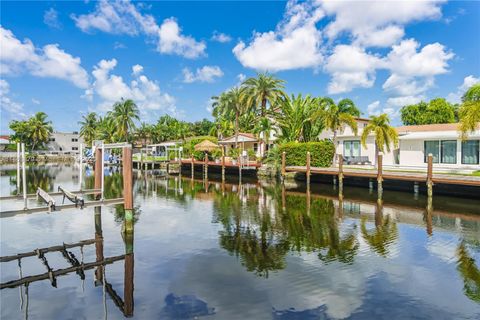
x=231 y=103
x=469 y=112
x=469 y=272
x=222 y=128
x=263 y=128
x=39 y=129
x=88 y=128
x=124 y=113
x=385 y=134
x=295 y=119
x=144 y=132
x=263 y=89
x=336 y=116
x=107 y=129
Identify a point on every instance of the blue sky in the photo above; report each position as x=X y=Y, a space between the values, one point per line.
x=68 y=58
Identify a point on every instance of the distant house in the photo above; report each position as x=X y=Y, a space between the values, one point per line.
x=4 y=142
x=65 y=142
x=415 y=143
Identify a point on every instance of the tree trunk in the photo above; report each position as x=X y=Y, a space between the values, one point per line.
x=236 y=129
x=264 y=106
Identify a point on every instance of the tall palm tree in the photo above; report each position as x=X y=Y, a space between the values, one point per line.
x=231 y=103
x=39 y=129
x=385 y=134
x=88 y=128
x=107 y=129
x=336 y=116
x=295 y=119
x=124 y=114
x=469 y=112
x=144 y=132
x=263 y=89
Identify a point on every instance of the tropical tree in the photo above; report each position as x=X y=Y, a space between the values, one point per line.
x=39 y=129
x=262 y=90
x=144 y=132
x=223 y=128
x=88 y=129
x=295 y=119
x=231 y=103
x=263 y=129
x=437 y=110
x=124 y=114
x=335 y=116
x=469 y=112
x=469 y=272
x=385 y=134
x=107 y=129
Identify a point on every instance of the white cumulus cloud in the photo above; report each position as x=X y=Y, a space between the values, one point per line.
x=50 y=18
x=17 y=57
x=110 y=88
x=221 y=37
x=377 y=23
x=124 y=17
x=7 y=104
x=351 y=67
x=296 y=42
x=204 y=74
x=468 y=81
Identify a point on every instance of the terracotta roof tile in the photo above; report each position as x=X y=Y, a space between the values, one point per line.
x=429 y=127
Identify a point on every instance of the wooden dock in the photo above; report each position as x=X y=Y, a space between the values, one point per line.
x=437 y=178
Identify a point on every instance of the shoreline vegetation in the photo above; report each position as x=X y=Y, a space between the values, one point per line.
x=259 y=106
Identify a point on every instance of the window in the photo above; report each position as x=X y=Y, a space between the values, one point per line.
x=471 y=152
x=74 y=139
x=449 y=151
x=74 y=148
x=255 y=147
x=51 y=139
x=351 y=148
x=433 y=148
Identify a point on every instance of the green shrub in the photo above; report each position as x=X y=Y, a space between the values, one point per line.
x=199 y=155
x=251 y=154
x=216 y=154
x=234 y=153
x=321 y=153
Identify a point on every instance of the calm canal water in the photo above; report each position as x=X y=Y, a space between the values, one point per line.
x=250 y=250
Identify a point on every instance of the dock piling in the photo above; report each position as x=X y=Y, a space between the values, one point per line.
x=340 y=173
x=128 y=188
x=380 y=174
x=24 y=178
x=283 y=165
x=18 y=168
x=223 y=164
x=98 y=169
x=308 y=169
x=430 y=175
x=192 y=165
x=206 y=165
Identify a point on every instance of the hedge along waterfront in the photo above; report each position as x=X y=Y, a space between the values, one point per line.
x=321 y=153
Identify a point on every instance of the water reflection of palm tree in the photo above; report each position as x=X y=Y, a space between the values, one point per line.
x=385 y=234
x=469 y=272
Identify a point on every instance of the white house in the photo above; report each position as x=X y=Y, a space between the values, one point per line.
x=415 y=143
x=65 y=142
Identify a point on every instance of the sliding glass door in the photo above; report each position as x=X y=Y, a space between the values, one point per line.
x=471 y=152
x=351 y=148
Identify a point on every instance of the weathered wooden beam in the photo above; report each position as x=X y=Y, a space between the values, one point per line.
x=72 y=197
x=48 y=249
x=430 y=175
x=7 y=214
x=46 y=198
x=283 y=164
x=34 y=195
x=59 y=272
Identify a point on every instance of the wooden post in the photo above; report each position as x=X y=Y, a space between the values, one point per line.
x=98 y=245
x=428 y=217
x=128 y=189
x=192 y=164
x=223 y=164
x=128 y=283
x=283 y=165
x=24 y=178
x=340 y=173
x=430 y=175
x=18 y=169
x=98 y=170
x=380 y=174
x=206 y=165
x=80 y=174
x=308 y=168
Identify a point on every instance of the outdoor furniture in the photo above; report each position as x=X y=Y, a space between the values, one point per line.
x=357 y=160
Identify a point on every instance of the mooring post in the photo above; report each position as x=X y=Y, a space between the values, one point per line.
x=80 y=163
x=308 y=168
x=380 y=174
x=428 y=218
x=223 y=164
x=128 y=277
x=24 y=178
x=192 y=163
x=98 y=169
x=430 y=175
x=206 y=165
x=18 y=168
x=128 y=188
x=415 y=190
x=340 y=174
x=283 y=165
x=98 y=244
